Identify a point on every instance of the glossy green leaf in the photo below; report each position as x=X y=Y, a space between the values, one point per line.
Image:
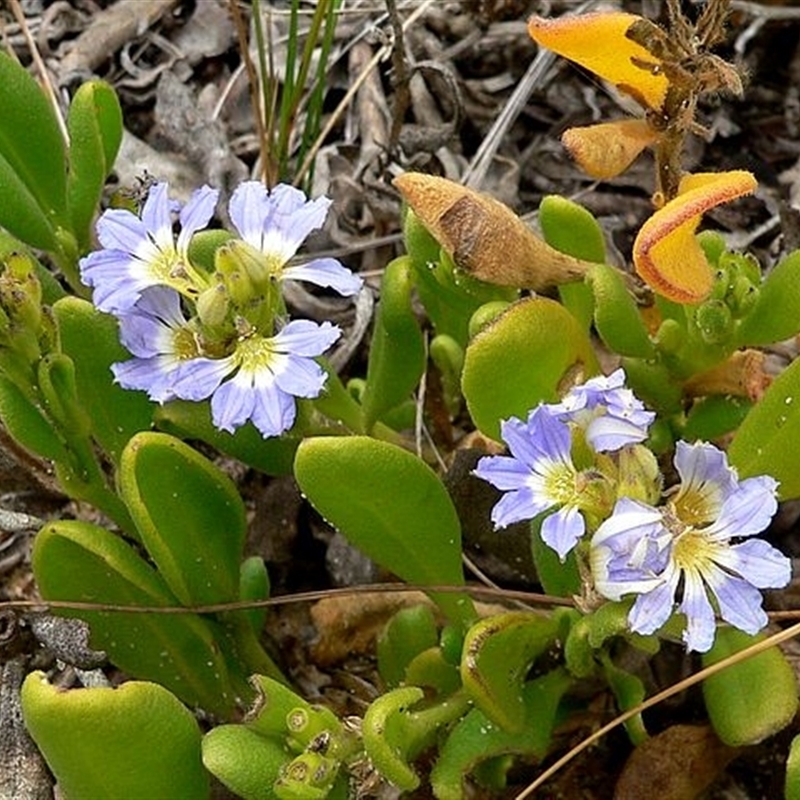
x=20 y=214
x=519 y=359
x=390 y=505
x=95 y=133
x=91 y=339
x=629 y=692
x=82 y=562
x=397 y=351
x=573 y=230
x=59 y=390
x=26 y=423
x=753 y=699
x=248 y=764
x=254 y=585
x=712 y=417
x=476 y=738
x=759 y=446
x=616 y=315
x=135 y=741
x=775 y=315
x=31 y=142
x=189 y=515
x=498 y=653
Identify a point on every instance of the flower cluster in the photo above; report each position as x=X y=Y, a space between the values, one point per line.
x=197 y=332
x=693 y=552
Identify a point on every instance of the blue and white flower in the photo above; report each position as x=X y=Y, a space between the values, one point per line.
x=538 y=476
x=276 y=223
x=695 y=553
x=139 y=252
x=608 y=412
x=260 y=380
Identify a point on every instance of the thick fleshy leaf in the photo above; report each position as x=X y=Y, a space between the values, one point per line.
x=26 y=423
x=792 y=789
x=616 y=315
x=397 y=351
x=776 y=313
x=498 y=654
x=519 y=359
x=91 y=340
x=752 y=699
x=759 y=446
x=599 y=43
x=20 y=214
x=31 y=142
x=137 y=740
x=476 y=738
x=189 y=515
x=407 y=634
x=666 y=252
x=82 y=562
x=392 y=507
x=248 y=764
x=95 y=133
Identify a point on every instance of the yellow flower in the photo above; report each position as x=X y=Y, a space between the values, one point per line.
x=666 y=253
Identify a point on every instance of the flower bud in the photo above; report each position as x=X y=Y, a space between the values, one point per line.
x=714 y=321
x=213 y=305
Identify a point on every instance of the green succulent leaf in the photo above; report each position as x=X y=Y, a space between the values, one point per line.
x=408 y=633
x=392 y=507
x=248 y=764
x=95 y=133
x=476 y=738
x=750 y=700
x=498 y=653
x=189 y=515
x=519 y=359
x=26 y=423
x=397 y=352
x=792 y=787
x=775 y=316
x=137 y=740
x=759 y=446
x=20 y=214
x=31 y=145
x=91 y=339
x=81 y=562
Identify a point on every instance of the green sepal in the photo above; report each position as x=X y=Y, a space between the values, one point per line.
x=752 y=699
x=137 y=740
x=573 y=230
x=188 y=420
x=91 y=339
x=247 y=763
x=616 y=315
x=31 y=145
x=309 y=776
x=775 y=315
x=392 y=507
x=189 y=515
x=498 y=653
x=95 y=134
x=397 y=352
x=26 y=423
x=759 y=446
x=78 y=561
x=254 y=585
x=476 y=738
x=497 y=382
x=408 y=633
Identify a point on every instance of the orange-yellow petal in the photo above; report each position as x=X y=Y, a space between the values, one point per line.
x=597 y=42
x=604 y=151
x=666 y=254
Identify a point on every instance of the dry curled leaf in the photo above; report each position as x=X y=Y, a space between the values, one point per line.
x=484 y=237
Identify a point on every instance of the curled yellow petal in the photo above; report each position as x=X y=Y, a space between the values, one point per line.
x=598 y=43
x=604 y=151
x=666 y=254
x=485 y=237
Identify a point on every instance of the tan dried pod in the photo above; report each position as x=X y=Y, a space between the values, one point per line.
x=484 y=237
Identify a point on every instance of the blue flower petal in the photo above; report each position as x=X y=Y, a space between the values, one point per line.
x=562 y=529
x=758 y=562
x=517 y=506
x=326 y=272
x=653 y=608
x=700 y=618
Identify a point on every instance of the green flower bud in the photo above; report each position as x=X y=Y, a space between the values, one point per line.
x=639 y=476
x=714 y=321
x=213 y=305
